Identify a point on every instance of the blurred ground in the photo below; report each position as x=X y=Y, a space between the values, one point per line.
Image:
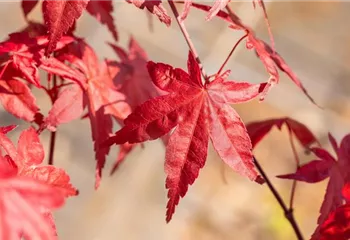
x=311 y=36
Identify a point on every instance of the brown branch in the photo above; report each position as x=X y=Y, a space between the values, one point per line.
x=53 y=134
x=297 y=161
x=288 y=213
x=52 y=147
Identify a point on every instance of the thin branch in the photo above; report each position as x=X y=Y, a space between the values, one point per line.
x=292 y=144
x=267 y=22
x=53 y=97
x=150 y=21
x=297 y=161
x=230 y=54
x=187 y=38
x=52 y=147
x=288 y=213
x=292 y=194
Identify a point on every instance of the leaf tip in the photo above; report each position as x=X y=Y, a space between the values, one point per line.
x=260 y=180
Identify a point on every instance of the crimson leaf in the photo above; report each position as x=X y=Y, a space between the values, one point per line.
x=200 y=112
x=59 y=16
x=258 y=130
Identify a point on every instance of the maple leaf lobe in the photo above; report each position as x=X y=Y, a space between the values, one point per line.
x=59 y=16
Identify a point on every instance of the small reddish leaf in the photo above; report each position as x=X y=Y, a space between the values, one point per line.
x=18 y=100
x=53 y=176
x=67 y=107
x=7 y=129
x=337 y=225
x=133 y=77
x=339 y=173
x=29 y=148
x=332 y=199
x=272 y=60
x=258 y=130
x=312 y=172
x=100 y=96
x=29 y=192
x=29 y=155
x=59 y=16
x=22 y=54
x=22 y=202
x=268 y=56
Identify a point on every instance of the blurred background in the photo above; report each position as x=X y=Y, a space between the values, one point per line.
x=313 y=39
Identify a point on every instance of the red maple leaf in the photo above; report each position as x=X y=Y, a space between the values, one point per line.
x=20 y=55
x=28 y=156
x=17 y=98
x=313 y=171
x=30 y=191
x=22 y=200
x=101 y=97
x=337 y=224
x=101 y=10
x=231 y=17
x=133 y=80
x=271 y=60
x=259 y=129
x=327 y=166
x=67 y=107
x=59 y=16
x=7 y=129
x=200 y=112
x=155 y=7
